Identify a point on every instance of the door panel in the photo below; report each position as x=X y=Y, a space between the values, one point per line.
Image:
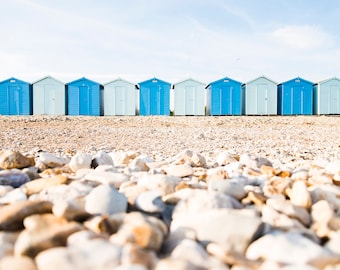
x=155 y=100
x=334 y=107
x=84 y=100
x=189 y=100
x=262 y=99
x=14 y=100
x=120 y=100
x=297 y=100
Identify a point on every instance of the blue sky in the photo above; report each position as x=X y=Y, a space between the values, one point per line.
x=170 y=39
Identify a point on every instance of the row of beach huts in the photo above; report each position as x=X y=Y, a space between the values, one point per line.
x=261 y=96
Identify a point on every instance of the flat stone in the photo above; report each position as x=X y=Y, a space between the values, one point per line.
x=254 y=162
x=13 y=178
x=14 y=160
x=70 y=210
x=150 y=202
x=182 y=170
x=52 y=161
x=134 y=255
x=298 y=250
x=36 y=186
x=230 y=228
x=43 y=232
x=164 y=183
x=191 y=158
x=105 y=177
x=105 y=199
x=12 y=216
x=231 y=187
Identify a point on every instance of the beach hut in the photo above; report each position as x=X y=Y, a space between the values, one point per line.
x=15 y=97
x=224 y=97
x=119 y=98
x=326 y=96
x=189 y=97
x=260 y=97
x=295 y=97
x=49 y=96
x=154 y=97
x=84 y=97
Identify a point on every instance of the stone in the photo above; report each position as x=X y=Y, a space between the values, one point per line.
x=193 y=252
x=232 y=187
x=150 y=202
x=232 y=229
x=17 y=263
x=298 y=250
x=254 y=162
x=333 y=167
x=191 y=158
x=12 y=216
x=333 y=243
x=300 y=195
x=164 y=183
x=43 y=232
x=280 y=204
x=145 y=231
x=80 y=161
x=101 y=158
x=5 y=189
x=14 y=160
x=140 y=163
x=52 y=161
x=7 y=241
x=36 y=186
x=181 y=170
x=70 y=210
x=111 y=178
x=105 y=199
x=172 y=263
x=32 y=172
x=134 y=255
x=92 y=254
x=301 y=175
x=277 y=185
x=16 y=195
x=225 y=158
x=13 y=178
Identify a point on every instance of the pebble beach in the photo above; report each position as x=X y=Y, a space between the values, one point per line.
x=170 y=192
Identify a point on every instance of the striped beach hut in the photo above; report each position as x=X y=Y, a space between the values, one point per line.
x=295 y=97
x=49 y=96
x=189 y=97
x=224 y=97
x=119 y=98
x=15 y=97
x=326 y=96
x=154 y=97
x=260 y=96
x=84 y=97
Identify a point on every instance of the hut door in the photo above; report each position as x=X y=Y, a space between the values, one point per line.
x=226 y=103
x=155 y=100
x=334 y=107
x=262 y=99
x=120 y=100
x=14 y=100
x=84 y=100
x=189 y=100
x=49 y=96
x=297 y=100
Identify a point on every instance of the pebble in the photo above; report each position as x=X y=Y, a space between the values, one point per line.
x=80 y=161
x=14 y=160
x=105 y=199
x=13 y=178
x=131 y=211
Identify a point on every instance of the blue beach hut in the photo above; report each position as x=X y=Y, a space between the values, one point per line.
x=84 y=97
x=15 y=97
x=49 y=97
x=154 y=97
x=327 y=96
x=189 y=97
x=260 y=97
x=224 y=97
x=295 y=97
